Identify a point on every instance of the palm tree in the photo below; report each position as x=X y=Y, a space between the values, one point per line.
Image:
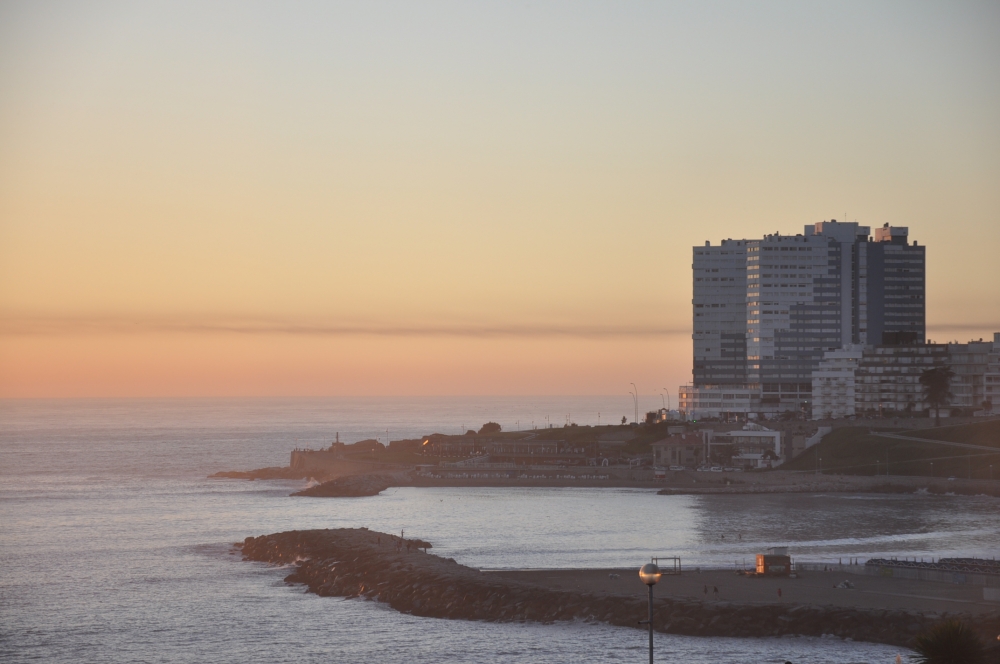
x=950 y=642
x=936 y=383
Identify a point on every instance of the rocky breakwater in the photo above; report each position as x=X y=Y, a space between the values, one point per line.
x=351 y=486
x=386 y=568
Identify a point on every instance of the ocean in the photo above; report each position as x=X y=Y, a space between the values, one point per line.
x=116 y=547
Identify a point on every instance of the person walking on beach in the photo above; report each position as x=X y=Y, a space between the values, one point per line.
x=779 y=593
x=715 y=589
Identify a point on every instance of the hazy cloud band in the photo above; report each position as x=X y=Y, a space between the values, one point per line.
x=38 y=326
x=72 y=326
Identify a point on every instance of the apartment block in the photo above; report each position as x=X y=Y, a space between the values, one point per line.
x=767 y=311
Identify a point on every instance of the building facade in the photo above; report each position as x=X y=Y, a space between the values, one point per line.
x=888 y=378
x=833 y=383
x=687 y=450
x=970 y=364
x=767 y=311
x=991 y=378
x=752 y=447
x=720 y=313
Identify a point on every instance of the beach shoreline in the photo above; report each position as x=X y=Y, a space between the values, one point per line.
x=675 y=483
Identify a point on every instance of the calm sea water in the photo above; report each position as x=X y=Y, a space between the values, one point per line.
x=115 y=547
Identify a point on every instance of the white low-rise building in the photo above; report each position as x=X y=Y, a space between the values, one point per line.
x=833 y=383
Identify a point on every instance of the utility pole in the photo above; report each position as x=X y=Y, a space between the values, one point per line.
x=636 y=402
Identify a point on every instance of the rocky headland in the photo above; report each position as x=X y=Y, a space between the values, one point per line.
x=399 y=572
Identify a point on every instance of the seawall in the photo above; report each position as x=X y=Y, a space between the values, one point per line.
x=380 y=567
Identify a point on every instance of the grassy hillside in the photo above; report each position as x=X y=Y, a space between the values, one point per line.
x=856 y=451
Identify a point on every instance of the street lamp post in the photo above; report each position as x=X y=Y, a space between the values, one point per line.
x=650 y=574
x=636 y=402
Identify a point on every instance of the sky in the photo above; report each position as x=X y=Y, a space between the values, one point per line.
x=398 y=198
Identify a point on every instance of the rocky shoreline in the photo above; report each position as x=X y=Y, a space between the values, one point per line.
x=399 y=572
x=354 y=482
x=351 y=486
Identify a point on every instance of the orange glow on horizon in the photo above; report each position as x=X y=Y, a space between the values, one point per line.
x=329 y=199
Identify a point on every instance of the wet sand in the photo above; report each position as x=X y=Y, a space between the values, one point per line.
x=810 y=588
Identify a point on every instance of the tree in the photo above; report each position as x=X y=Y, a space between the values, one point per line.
x=936 y=384
x=950 y=642
x=490 y=427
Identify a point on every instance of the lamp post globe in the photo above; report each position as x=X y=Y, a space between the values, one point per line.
x=650 y=574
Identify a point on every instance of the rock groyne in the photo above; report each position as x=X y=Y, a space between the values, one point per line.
x=398 y=572
x=351 y=486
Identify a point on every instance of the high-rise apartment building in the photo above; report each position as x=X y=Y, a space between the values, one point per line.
x=894 y=288
x=766 y=310
x=720 y=313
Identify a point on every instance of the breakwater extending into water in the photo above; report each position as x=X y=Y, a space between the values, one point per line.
x=358 y=563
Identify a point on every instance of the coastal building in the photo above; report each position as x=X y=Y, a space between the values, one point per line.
x=833 y=383
x=686 y=450
x=991 y=378
x=895 y=287
x=888 y=378
x=766 y=311
x=720 y=313
x=970 y=363
x=517 y=451
x=726 y=402
x=799 y=305
x=753 y=446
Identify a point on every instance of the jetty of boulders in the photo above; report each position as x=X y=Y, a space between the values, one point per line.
x=359 y=563
x=349 y=486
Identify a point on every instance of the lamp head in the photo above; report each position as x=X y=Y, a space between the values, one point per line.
x=650 y=574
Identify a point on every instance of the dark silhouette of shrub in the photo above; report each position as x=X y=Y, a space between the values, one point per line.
x=490 y=427
x=950 y=642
